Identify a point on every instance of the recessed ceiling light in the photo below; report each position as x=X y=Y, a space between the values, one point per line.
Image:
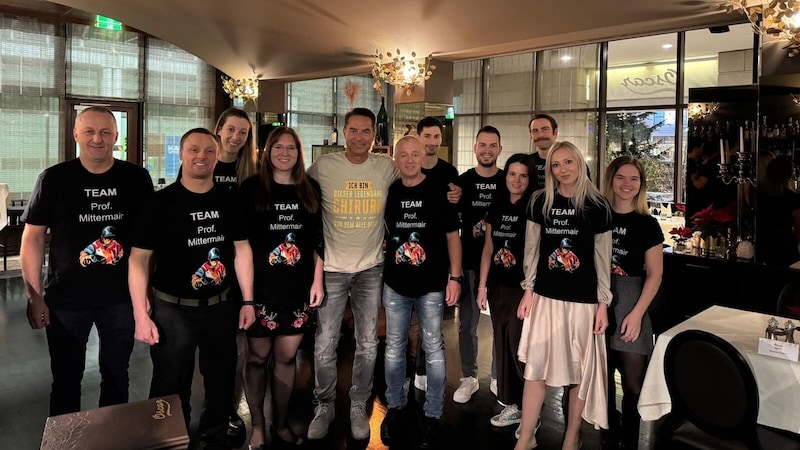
x=566 y=58
x=666 y=46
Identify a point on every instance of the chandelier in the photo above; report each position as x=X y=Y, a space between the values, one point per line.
x=776 y=19
x=699 y=111
x=244 y=88
x=399 y=71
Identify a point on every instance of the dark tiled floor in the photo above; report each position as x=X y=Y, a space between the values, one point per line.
x=25 y=379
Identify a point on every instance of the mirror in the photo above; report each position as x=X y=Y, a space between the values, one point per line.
x=721 y=120
x=779 y=137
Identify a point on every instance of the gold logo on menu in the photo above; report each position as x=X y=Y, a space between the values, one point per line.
x=163 y=409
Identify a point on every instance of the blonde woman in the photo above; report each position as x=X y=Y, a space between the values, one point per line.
x=566 y=296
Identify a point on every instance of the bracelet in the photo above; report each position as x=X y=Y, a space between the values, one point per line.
x=483 y=289
x=249 y=303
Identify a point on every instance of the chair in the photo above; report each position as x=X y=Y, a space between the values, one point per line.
x=714 y=398
x=789 y=300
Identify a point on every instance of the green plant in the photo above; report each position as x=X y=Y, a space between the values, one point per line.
x=631 y=134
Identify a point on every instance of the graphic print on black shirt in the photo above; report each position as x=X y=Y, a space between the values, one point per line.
x=410 y=252
x=286 y=253
x=508 y=223
x=105 y=250
x=212 y=272
x=633 y=234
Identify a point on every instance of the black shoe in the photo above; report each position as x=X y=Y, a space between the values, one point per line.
x=430 y=437
x=237 y=432
x=390 y=424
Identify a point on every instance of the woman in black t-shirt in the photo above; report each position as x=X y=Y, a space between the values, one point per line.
x=500 y=275
x=284 y=225
x=637 y=263
x=564 y=306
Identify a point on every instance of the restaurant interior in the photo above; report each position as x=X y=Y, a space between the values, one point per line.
x=651 y=78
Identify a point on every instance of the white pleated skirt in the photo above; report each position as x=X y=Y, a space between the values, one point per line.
x=559 y=348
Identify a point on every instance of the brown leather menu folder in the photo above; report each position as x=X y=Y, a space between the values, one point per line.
x=151 y=424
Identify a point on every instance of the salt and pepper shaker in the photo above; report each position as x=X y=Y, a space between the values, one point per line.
x=773 y=331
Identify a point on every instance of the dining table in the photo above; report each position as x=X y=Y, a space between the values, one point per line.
x=778 y=380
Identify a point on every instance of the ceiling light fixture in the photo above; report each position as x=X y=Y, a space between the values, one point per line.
x=775 y=19
x=666 y=46
x=244 y=88
x=566 y=58
x=399 y=71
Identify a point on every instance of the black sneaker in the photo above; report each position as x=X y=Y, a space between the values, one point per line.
x=430 y=437
x=390 y=424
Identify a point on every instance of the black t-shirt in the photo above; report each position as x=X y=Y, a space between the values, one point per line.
x=477 y=196
x=566 y=269
x=442 y=172
x=508 y=223
x=418 y=219
x=191 y=236
x=539 y=165
x=90 y=218
x=632 y=235
x=284 y=238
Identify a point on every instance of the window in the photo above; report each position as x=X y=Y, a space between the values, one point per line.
x=103 y=63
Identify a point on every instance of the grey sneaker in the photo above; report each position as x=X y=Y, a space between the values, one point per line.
x=359 y=421
x=468 y=386
x=323 y=416
x=510 y=415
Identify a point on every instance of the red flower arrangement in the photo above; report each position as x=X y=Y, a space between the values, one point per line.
x=681 y=234
x=713 y=222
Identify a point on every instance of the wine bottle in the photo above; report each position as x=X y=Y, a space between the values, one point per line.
x=335 y=133
x=382 y=135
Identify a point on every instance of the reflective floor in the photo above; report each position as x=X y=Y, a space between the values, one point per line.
x=25 y=386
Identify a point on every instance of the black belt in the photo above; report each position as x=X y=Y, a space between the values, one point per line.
x=192 y=302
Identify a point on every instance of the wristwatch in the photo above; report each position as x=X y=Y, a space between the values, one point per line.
x=459 y=278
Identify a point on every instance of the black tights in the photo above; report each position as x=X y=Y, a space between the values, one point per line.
x=631 y=368
x=282 y=382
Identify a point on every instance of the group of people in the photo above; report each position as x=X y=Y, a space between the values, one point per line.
x=238 y=243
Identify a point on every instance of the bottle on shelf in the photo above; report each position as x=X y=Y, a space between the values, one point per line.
x=334 y=133
x=382 y=135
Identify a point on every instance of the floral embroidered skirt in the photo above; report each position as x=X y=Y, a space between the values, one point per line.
x=274 y=319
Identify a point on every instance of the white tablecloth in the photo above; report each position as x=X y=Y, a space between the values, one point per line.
x=778 y=380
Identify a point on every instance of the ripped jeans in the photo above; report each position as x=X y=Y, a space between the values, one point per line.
x=430 y=308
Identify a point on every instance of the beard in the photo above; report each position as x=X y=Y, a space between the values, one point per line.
x=487 y=165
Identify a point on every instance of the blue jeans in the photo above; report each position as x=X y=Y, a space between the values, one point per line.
x=364 y=289
x=430 y=308
x=67 y=337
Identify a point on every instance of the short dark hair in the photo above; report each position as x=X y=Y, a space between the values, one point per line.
x=199 y=131
x=527 y=161
x=489 y=129
x=364 y=112
x=429 y=122
x=553 y=123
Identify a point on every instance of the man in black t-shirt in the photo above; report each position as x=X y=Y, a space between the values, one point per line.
x=481 y=185
x=89 y=204
x=195 y=231
x=430 y=131
x=422 y=236
x=544 y=132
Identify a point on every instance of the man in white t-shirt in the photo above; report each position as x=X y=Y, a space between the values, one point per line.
x=354 y=185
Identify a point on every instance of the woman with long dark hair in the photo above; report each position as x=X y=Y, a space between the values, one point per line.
x=284 y=228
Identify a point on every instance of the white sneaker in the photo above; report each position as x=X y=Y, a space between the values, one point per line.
x=359 y=421
x=508 y=416
x=323 y=416
x=468 y=386
x=421 y=382
x=406 y=385
x=493 y=386
x=535 y=430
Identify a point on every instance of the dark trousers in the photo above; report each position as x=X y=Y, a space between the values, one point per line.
x=507 y=330
x=67 y=336
x=182 y=330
